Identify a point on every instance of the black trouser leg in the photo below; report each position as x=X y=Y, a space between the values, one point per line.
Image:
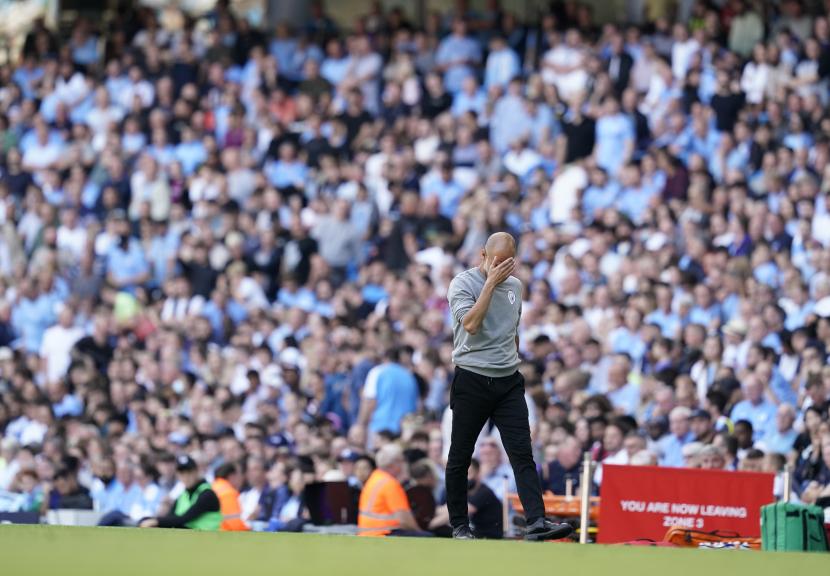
x=470 y=402
x=511 y=417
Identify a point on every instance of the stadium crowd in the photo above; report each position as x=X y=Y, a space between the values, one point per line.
x=229 y=248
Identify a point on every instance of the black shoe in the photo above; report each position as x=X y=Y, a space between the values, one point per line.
x=463 y=532
x=544 y=529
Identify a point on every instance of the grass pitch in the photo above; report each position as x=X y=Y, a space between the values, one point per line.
x=65 y=551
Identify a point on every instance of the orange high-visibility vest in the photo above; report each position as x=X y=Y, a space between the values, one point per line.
x=380 y=500
x=229 y=506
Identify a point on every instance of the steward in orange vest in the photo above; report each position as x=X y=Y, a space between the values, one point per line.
x=228 y=477
x=384 y=507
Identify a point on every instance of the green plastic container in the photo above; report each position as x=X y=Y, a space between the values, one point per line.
x=793 y=527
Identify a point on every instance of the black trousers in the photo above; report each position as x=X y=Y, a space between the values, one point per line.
x=474 y=399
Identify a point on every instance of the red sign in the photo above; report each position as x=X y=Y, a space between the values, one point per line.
x=645 y=501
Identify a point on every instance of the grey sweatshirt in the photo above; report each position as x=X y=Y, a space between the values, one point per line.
x=492 y=351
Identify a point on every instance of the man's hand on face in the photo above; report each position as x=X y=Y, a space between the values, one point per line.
x=502 y=272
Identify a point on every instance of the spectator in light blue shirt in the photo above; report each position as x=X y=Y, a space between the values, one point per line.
x=161 y=149
x=288 y=171
x=303 y=52
x=163 y=249
x=663 y=316
x=706 y=310
x=502 y=64
x=27 y=76
x=767 y=371
x=703 y=140
x=764 y=268
x=31 y=316
x=218 y=309
x=627 y=340
x=782 y=438
x=126 y=265
x=113 y=489
x=614 y=138
x=599 y=195
x=755 y=408
x=797 y=306
x=634 y=198
x=623 y=394
x=510 y=119
x=680 y=434
x=448 y=191
x=84 y=45
x=797 y=137
x=293 y=296
x=190 y=152
x=390 y=393
x=282 y=47
x=335 y=64
x=545 y=127
x=456 y=55
x=64 y=403
x=470 y=98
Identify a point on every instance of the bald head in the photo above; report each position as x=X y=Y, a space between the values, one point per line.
x=501 y=242
x=499 y=247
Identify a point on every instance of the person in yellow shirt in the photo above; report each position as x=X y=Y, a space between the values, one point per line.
x=384 y=508
x=227 y=484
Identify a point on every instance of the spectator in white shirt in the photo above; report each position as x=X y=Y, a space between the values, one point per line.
x=180 y=303
x=102 y=115
x=682 y=50
x=71 y=238
x=71 y=87
x=756 y=75
x=149 y=185
x=137 y=86
x=521 y=159
x=564 y=66
x=45 y=153
x=57 y=344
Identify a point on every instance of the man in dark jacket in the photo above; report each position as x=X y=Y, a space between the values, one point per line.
x=68 y=494
x=566 y=467
x=619 y=64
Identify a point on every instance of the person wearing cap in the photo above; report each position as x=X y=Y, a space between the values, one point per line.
x=197 y=508
x=702 y=428
x=346 y=463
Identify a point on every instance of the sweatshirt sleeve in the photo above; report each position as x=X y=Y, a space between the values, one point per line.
x=460 y=297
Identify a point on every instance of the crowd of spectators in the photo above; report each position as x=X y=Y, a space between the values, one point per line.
x=235 y=244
